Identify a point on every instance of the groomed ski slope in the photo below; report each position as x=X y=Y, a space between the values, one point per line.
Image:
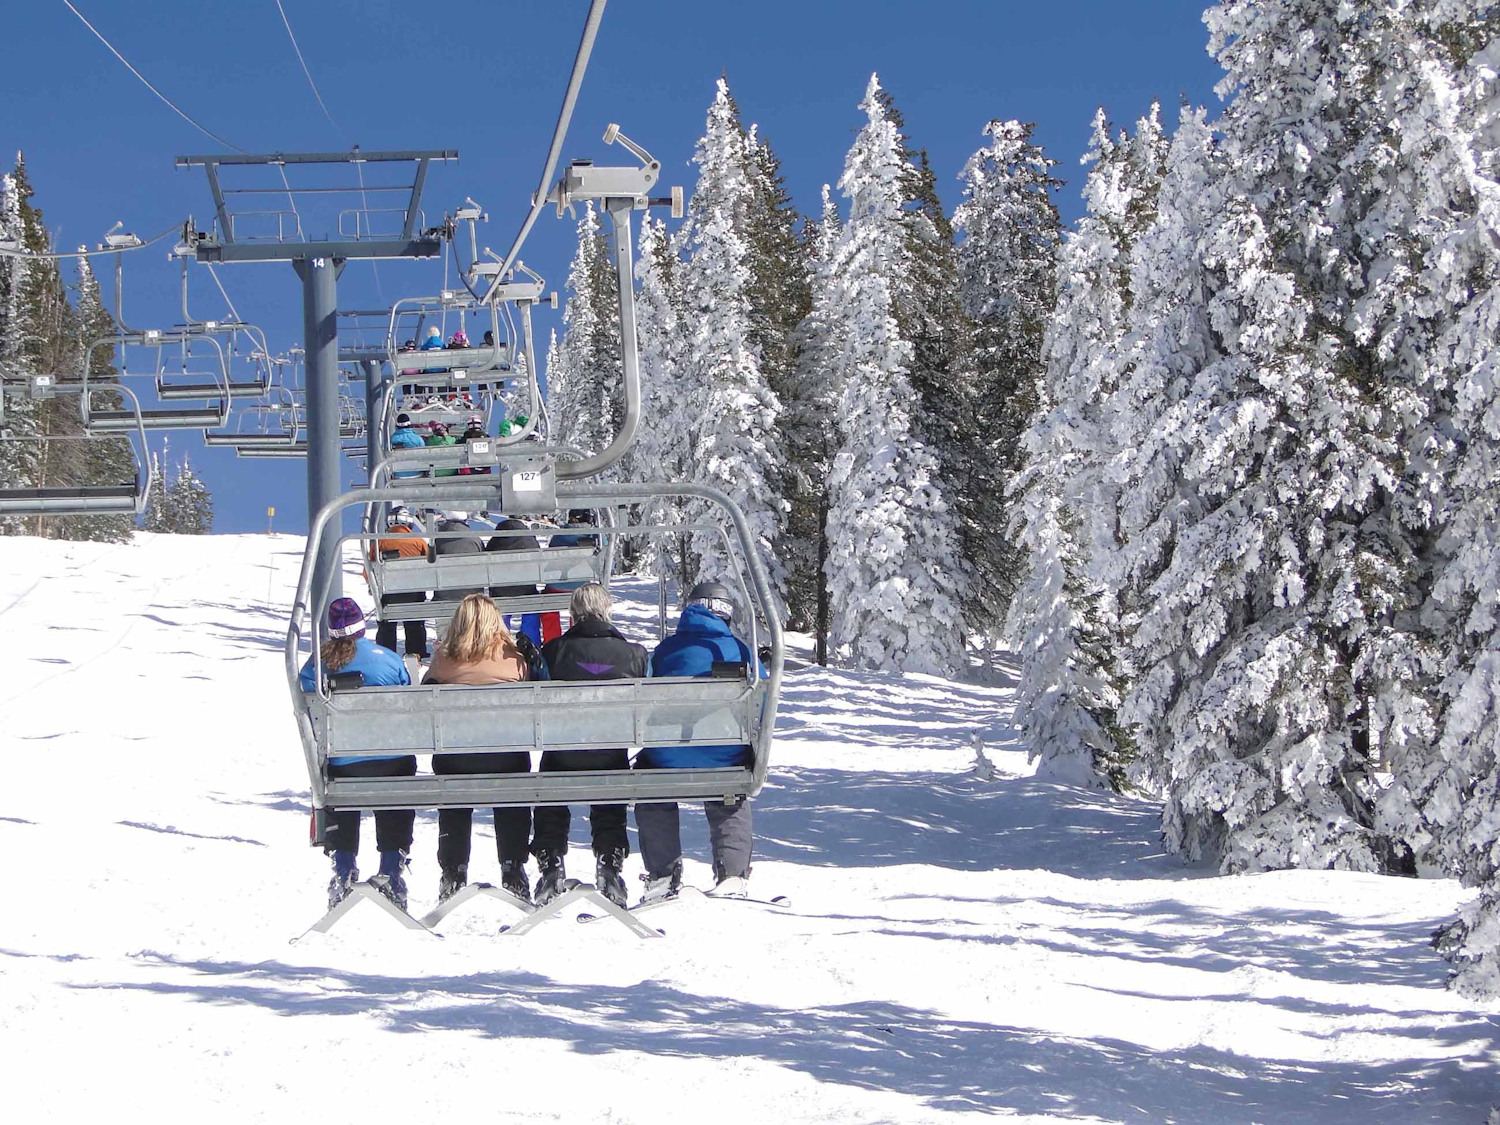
x=956 y=946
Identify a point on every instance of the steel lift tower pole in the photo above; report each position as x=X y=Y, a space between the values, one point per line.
x=318 y=264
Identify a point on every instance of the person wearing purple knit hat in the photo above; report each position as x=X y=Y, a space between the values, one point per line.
x=347 y=649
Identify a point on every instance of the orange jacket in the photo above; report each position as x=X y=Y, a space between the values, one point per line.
x=407 y=544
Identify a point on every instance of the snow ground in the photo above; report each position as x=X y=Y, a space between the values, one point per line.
x=955 y=947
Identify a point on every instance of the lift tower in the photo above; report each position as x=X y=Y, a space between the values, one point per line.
x=277 y=236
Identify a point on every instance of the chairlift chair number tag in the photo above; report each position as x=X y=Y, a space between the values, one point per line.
x=527 y=481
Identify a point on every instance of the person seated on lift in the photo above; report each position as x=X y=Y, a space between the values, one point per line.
x=478 y=649
x=346 y=651
x=592 y=649
x=703 y=639
x=402 y=542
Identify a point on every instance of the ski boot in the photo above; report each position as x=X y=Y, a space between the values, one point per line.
x=451 y=881
x=729 y=886
x=551 y=878
x=607 y=878
x=391 y=881
x=662 y=887
x=345 y=875
x=513 y=879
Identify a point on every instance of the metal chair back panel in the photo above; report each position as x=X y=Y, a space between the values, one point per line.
x=478 y=572
x=549 y=715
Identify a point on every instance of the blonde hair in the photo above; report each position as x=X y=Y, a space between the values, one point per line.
x=337 y=653
x=590 y=601
x=476 y=632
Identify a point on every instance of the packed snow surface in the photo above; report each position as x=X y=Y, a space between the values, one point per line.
x=956 y=946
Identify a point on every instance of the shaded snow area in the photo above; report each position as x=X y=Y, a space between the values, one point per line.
x=955 y=946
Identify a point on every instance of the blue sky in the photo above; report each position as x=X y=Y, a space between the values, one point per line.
x=486 y=78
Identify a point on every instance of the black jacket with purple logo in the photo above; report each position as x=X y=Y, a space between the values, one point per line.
x=594 y=650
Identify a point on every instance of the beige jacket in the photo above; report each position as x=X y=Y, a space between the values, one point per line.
x=506 y=666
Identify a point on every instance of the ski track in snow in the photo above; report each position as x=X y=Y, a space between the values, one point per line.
x=954 y=947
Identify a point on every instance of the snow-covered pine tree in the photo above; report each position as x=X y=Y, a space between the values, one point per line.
x=1145 y=496
x=1432 y=309
x=661 y=445
x=99 y=461
x=157 y=516
x=19 y=457
x=1007 y=276
x=1273 y=622
x=893 y=564
x=190 y=503
x=809 y=415
x=47 y=345
x=1062 y=620
x=734 y=443
x=931 y=318
x=583 y=389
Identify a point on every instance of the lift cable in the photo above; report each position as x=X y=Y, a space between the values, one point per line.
x=8 y=250
x=170 y=104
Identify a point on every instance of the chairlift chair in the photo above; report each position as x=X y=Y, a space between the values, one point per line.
x=125 y=498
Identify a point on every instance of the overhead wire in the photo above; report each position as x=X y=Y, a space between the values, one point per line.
x=337 y=128
x=207 y=132
x=50 y=255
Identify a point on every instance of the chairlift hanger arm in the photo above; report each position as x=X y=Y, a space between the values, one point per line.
x=560 y=131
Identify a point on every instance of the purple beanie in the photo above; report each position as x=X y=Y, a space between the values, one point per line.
x=346 y=619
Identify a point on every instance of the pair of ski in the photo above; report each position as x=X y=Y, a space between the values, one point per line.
x=684 y=894
x=575 y=893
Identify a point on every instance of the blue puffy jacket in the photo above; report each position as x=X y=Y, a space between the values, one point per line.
x=404 y=437
x=432 y=344
x=701 y=639
x=380 y=667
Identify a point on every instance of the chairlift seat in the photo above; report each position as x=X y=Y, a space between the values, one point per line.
x=115 y=421
x=95 y=500
x=173 y=392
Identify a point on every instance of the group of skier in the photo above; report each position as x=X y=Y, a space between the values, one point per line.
x=477 y=648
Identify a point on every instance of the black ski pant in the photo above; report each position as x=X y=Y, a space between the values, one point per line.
x=416 y=631
x=512 y=825
x=607 y=822
x=393 y=827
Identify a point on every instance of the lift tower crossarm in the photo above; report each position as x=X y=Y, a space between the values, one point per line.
x=224 y=247
x=318 y=265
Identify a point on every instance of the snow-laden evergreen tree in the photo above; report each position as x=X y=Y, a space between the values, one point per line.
x=1063 y=621
x=734 y=444
x=1007 y=277
x=102 y=460
x=1430 y=312
x=809 y=418
x=19 y=456
x=1145 y=495
x=1279 y=611
x=661 y=444
x=157 y=516
x=894 y=570
x=584 y=399
x=189 y=503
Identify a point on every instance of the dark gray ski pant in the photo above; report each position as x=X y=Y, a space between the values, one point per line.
x=729 y=836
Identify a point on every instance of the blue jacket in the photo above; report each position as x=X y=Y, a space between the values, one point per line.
x=432 y=343
x=404 y=437
x=701 y=638
x=381 y=668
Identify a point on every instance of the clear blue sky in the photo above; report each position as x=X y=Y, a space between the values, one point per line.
x=486 y=78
